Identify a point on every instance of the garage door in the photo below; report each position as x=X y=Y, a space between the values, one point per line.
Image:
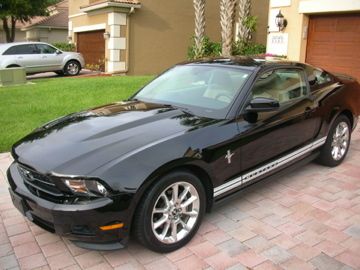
x=92 y=46
x=334 y=43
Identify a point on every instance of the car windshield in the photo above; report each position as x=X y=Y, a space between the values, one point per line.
x=204 y=90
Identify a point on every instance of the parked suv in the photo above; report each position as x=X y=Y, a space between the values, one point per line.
x=38 y=57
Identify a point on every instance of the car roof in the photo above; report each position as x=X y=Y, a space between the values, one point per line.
x=245 y=62
x=5 y=46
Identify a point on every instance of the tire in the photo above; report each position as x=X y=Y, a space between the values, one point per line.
x=72 y=68
x=155 y=222
x=337 y=143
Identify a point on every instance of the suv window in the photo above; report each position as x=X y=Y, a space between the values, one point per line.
x=283 y=85
x=45 y=49
x=21 y=49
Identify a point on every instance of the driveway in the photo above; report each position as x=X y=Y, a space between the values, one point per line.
x=48 y=75
x=309 y=219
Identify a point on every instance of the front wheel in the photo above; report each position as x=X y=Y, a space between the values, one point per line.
x=337 y=144
x=171 y=212
x=72 y=68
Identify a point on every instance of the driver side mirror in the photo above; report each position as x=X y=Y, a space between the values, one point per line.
x=58 y=52
x=260 y=104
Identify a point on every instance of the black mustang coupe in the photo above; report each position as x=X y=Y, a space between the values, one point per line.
x=199 y=133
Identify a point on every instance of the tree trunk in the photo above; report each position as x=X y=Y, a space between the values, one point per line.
x=243 y=33
x=13 y=29
x=199 y=7
x=9 y=31
x=226 y=21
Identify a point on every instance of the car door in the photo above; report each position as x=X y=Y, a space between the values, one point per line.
x=26 y=56
x=51 y=60
x=282 y=131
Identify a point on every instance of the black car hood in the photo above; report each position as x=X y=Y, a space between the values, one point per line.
x=79 y=143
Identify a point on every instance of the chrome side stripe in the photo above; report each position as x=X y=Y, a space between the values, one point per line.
x=267 y=167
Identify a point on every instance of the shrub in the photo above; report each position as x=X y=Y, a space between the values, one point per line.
x=66 y=47
x=248 y=48
x=211 y=48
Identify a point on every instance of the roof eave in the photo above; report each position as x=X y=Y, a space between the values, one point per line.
x=107 y=5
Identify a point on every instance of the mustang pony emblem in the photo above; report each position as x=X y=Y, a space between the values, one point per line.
x=229 y=156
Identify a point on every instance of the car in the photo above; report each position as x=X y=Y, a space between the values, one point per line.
x=194 y=137
x=37 y=57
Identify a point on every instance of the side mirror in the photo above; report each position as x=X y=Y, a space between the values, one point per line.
x=58 y=52
x=260 y=104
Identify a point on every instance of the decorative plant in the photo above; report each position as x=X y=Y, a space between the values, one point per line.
x=198 y=48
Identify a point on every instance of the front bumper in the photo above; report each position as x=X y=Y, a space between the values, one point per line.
x=78 y=222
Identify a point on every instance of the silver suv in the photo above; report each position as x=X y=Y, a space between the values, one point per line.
x=38 y=57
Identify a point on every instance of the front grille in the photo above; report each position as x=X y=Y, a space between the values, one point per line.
x=41 y=185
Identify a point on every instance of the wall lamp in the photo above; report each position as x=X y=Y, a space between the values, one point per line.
x=106 y=35
x=280 y=21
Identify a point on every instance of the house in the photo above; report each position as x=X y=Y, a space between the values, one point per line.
x=322 y=32
x=144 y=38
x=51 y=29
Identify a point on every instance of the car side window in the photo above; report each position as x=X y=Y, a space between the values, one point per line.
x=283 y=85
x=317 y=76
x=21 y=49
x=45 y=49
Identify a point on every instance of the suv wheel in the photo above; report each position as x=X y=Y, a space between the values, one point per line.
x=72 y=68
x=171 y=212
x=337 y=144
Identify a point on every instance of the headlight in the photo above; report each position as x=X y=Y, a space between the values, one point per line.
x=86 y=187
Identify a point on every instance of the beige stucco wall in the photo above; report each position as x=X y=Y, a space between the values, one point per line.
x=160 y=32
x=49 y=35
x=297 y=15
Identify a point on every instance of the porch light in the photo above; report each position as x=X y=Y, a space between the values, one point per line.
x=280 y=21
x=106 y=35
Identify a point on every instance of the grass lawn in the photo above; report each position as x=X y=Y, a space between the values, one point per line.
x=23 y=108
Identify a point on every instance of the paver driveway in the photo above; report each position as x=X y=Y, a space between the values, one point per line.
x=309 y=219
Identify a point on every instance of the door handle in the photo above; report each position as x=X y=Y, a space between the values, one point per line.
x=20 y=57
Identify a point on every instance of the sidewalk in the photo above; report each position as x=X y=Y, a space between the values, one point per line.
x=307 y=220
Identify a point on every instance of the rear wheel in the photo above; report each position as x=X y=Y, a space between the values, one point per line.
x=171 y=212
x=72 y=68
x=337 y=144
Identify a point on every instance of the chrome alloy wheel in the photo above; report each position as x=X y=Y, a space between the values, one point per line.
x=175 y=212
x=340 y=141
x=72 y=68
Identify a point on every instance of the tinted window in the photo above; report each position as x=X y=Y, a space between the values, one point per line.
x=283 y=85
x=45 y=49
x=21 y=49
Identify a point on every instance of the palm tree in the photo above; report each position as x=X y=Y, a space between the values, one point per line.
x=199 y=7
x=227 y=9
x=243 y=33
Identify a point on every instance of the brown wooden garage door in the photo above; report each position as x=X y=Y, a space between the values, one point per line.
x=334 y=43
x=92 y=46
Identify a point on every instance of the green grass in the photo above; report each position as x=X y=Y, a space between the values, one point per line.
x=23 y=108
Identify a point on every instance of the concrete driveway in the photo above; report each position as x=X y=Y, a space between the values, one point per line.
x=309 y=219
x=49 y=75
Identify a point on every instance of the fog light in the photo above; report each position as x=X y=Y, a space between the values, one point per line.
x=112 y=227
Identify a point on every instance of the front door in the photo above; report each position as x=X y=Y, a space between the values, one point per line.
x=274 y=134
x=49 y=59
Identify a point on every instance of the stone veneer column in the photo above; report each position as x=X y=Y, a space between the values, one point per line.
x=116 y=44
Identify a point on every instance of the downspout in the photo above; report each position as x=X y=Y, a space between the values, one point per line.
x=132 y=10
